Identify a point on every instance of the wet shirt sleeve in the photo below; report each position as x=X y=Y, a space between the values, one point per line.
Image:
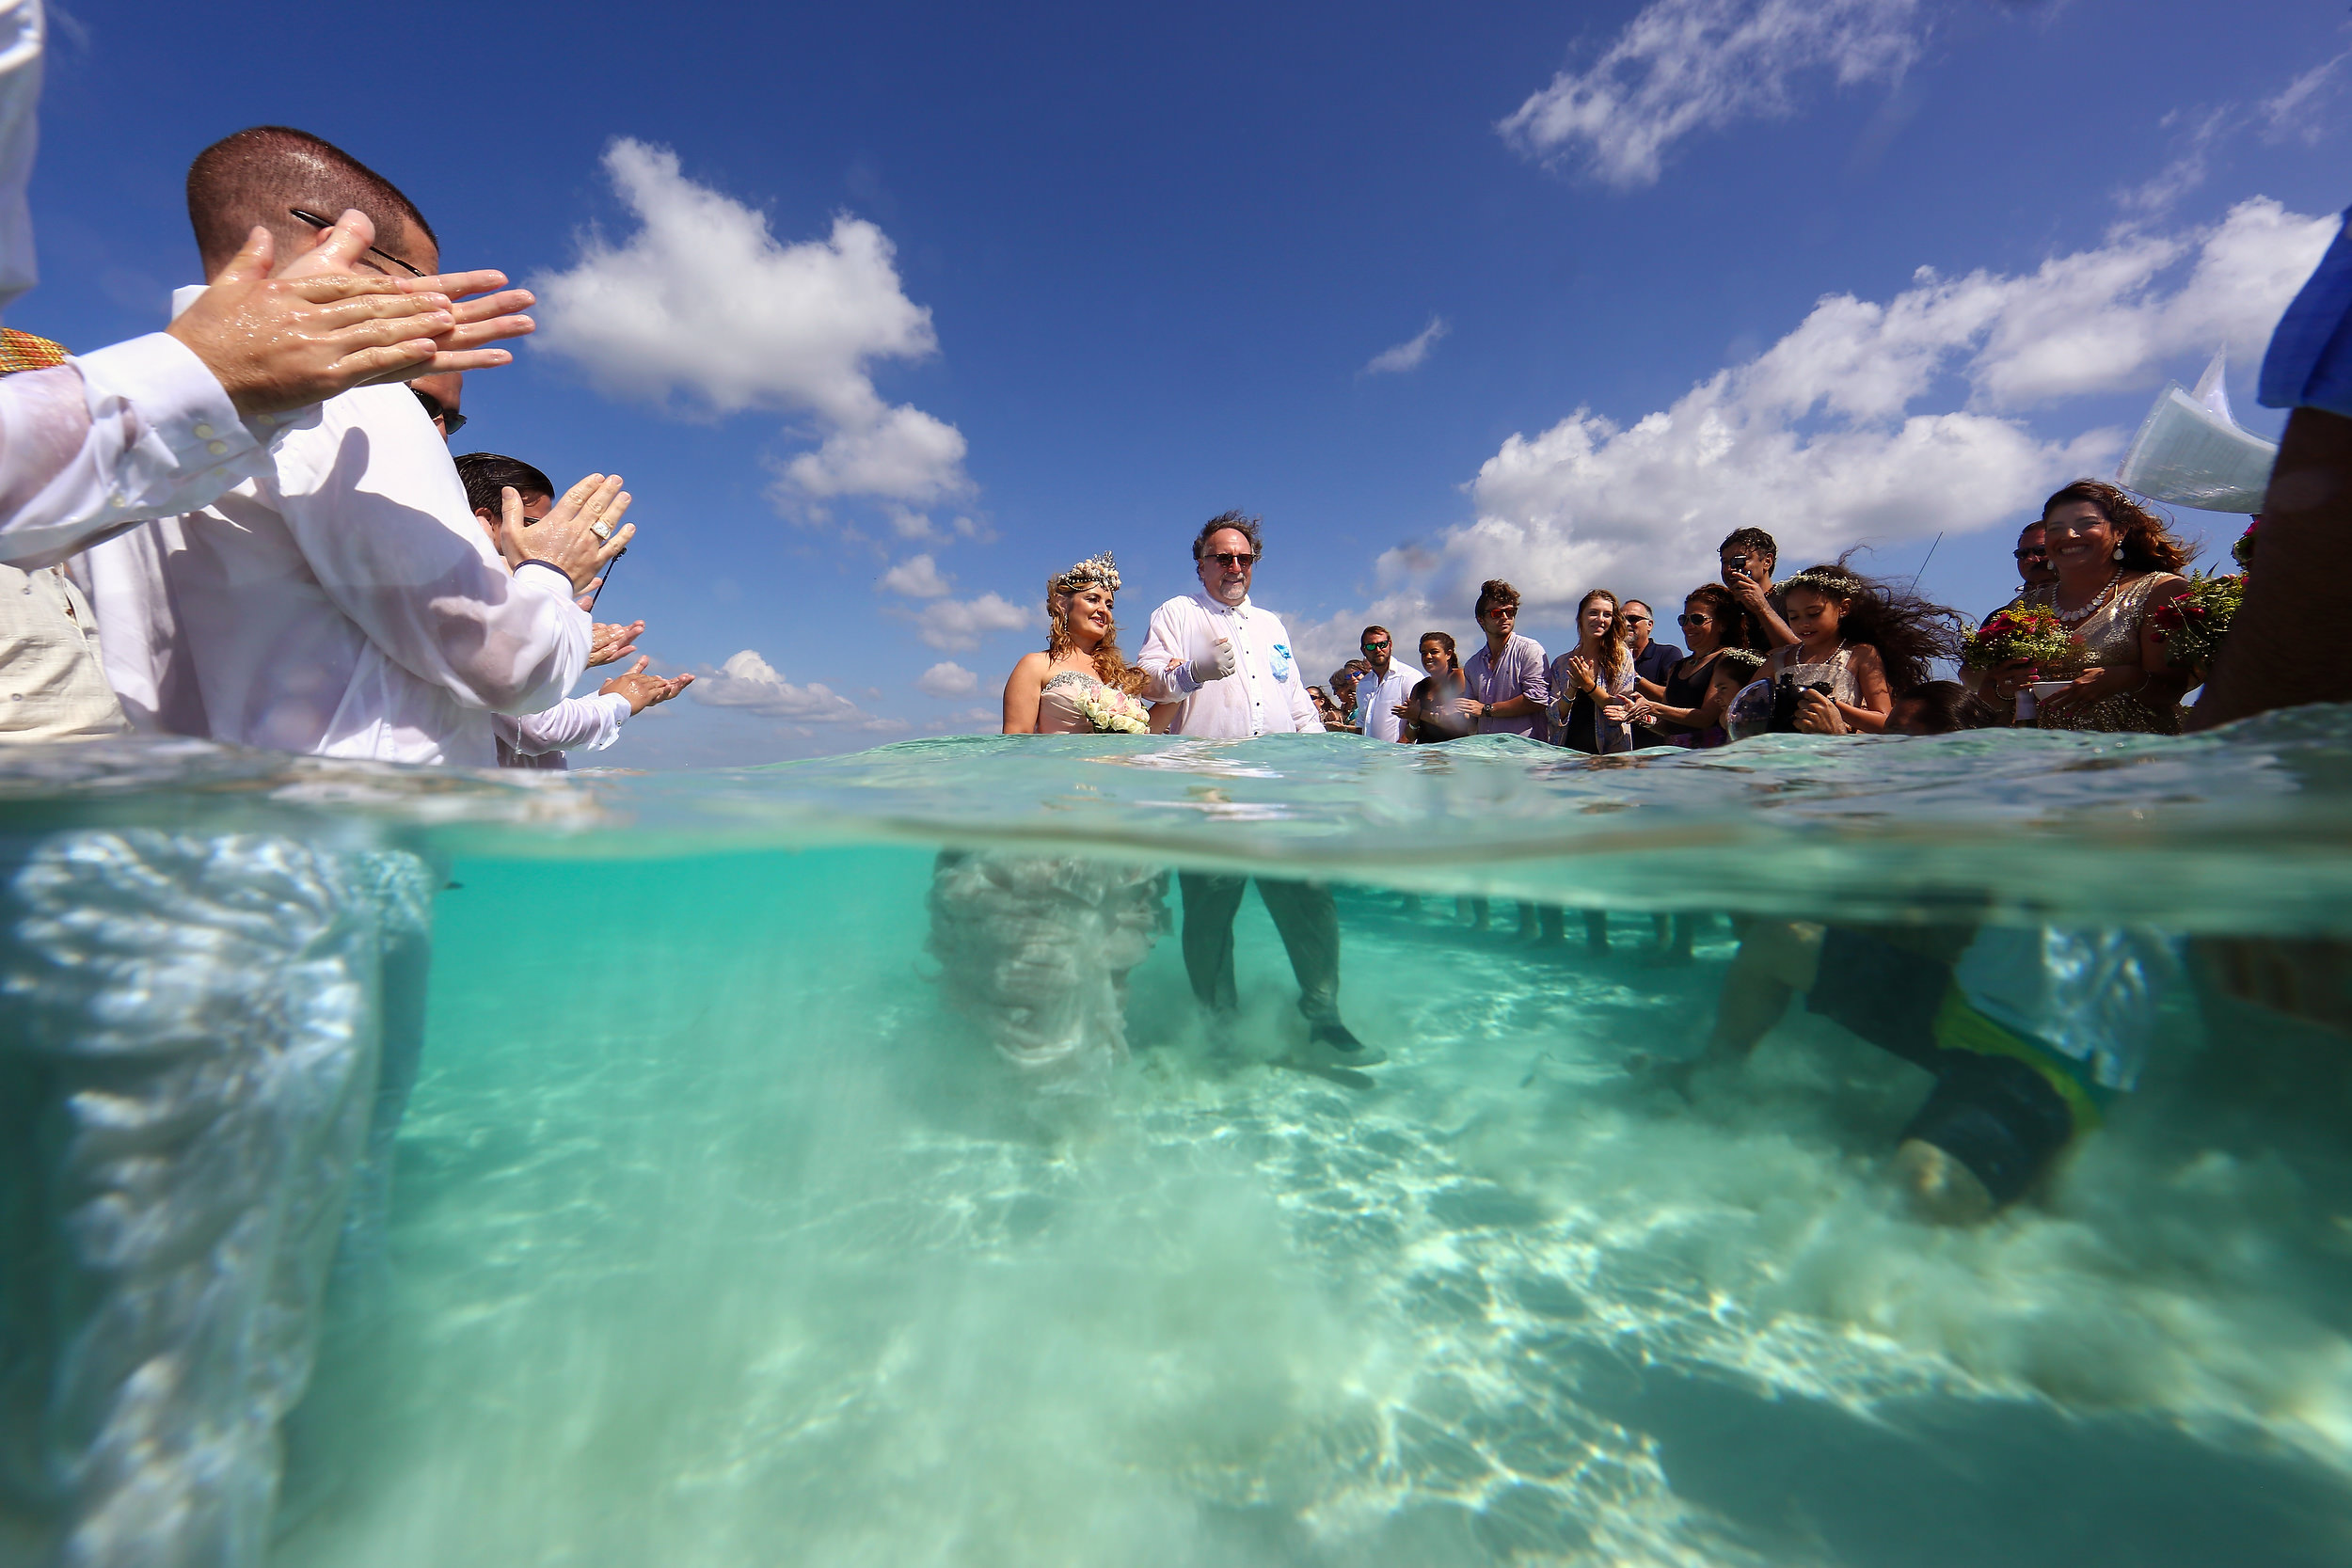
x=110 y=438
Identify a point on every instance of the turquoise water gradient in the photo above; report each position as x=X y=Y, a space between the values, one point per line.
x=719 y=1241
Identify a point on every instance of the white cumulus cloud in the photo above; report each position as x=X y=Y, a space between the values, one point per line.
x=951 y=625
x=918 y=577
x=748 y=681
x=948 y=679
x=1823 y=439
x=704 y=304
x=1407 y=355
x=1684 y=65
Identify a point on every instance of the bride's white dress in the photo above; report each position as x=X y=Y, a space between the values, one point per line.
x=1037 y=950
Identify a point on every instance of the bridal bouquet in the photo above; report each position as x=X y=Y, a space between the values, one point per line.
x=2030 y=632
x=1114 y=712
x=2192 y=626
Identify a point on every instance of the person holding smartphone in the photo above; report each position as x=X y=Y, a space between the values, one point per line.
x=1748 y=557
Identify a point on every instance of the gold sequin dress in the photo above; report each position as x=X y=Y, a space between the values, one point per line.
x=2110 y=637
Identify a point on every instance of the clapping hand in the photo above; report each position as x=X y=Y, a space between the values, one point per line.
x=577 y=537
x=279 y=344
x=610 y=644
x=643 y=691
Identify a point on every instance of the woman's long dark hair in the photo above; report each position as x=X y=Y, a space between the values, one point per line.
x=1733 y=627
x=1908 y=632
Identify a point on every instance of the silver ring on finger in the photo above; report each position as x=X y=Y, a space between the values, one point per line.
x=601 y=528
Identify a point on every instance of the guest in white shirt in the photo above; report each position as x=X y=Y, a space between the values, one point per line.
x=507 y=496
x=344 y=603
x=1229 y=664
x=1384 y=688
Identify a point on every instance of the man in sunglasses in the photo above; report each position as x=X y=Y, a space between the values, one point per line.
x=1228 y=663
x=1382 y=689
x=2033 y=557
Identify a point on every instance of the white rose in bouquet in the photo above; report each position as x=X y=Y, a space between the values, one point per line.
x=1113 y=712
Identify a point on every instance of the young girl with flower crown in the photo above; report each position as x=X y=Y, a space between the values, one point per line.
x=1859 y=643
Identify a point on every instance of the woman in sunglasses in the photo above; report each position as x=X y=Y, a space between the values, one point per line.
x=1689 y=707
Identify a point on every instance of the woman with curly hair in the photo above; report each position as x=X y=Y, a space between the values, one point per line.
x=2116 y=563
x=1044 y=692
x=1592 y=683
x=1858 y=644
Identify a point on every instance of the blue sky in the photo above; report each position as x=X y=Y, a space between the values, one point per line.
x=921 y=303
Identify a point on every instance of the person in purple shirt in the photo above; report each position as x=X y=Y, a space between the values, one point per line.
x=1503 y=684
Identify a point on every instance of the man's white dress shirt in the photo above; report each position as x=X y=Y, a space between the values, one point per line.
x=1376 y=698
x=1262 y=696
x=344 y=603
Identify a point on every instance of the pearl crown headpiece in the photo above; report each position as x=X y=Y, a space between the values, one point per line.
x=1099 y=571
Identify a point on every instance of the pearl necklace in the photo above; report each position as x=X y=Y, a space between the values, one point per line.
x=2097 y=600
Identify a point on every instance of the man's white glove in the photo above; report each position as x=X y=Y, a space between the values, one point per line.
x=1215 y=665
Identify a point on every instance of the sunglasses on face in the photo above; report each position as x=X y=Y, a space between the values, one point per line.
x=1376 y=647
x=1231 y=562
x=317 y=222
x=451 y=420
x=2037 y=553
x=1637 y=621
x=1690 y=620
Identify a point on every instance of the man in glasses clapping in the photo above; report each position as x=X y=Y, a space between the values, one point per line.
x=1229 y=664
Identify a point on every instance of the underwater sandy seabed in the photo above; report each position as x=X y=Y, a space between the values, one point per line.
x=718 y=1242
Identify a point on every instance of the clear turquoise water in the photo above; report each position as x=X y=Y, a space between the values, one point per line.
x=719 y=1241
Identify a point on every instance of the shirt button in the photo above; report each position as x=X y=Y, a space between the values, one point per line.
x=218 y=447
x=204 y=433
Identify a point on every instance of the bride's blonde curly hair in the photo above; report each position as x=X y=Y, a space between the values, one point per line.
x=1110 y=665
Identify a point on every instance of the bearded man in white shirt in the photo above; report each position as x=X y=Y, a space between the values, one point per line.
x=1228 y=663
x=1383 y=688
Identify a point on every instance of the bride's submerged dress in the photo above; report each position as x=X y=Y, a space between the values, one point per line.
x=1036 y=950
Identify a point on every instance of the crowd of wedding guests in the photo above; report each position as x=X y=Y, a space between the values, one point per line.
x=1823 y=651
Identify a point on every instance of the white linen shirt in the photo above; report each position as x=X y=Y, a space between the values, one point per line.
x=588 y=723
x=1262 y=696
x=1376 y=698
x=345 y=603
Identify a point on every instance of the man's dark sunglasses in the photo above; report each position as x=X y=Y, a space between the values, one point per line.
x=2037 y=553
x=452 y=420
x=1374 y=647
x=1231 y=562
x=322 y=224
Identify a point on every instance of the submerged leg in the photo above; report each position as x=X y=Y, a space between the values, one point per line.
x=1309 y=921
x=1211 y=901
x=197 y=1015
x=1596 y=932
x=1777 y=960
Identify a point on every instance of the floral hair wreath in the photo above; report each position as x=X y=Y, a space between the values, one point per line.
x=1835 y=585
x=1099 y=571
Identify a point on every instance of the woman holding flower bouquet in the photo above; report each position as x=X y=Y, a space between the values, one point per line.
x=1081 y=684
x=1037 y=949
x=2117 y=564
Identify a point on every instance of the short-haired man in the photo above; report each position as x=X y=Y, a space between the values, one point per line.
x=1503 y=684
x=1653 y=661
x=2032 y=556
x=1229 y=664
x=1748 y=557
x=344 y=603
x=588 y=723
x=1383 y=688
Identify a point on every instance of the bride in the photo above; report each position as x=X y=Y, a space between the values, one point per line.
x=1036 y=949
